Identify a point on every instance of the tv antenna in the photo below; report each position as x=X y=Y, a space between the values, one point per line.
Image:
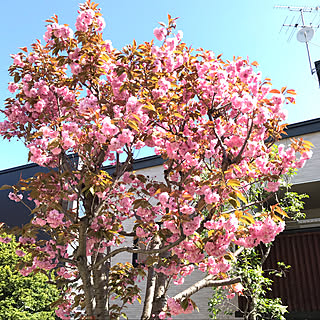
x=305 y=33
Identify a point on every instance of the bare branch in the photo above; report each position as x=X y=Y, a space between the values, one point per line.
x=265 y=255
x=208 y=281
x=237 y=158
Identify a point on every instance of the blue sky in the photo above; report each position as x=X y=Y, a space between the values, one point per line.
x=233 y=28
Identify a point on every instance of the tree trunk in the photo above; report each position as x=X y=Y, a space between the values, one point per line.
x=150 y=289
x=159 y=300
x=100 y=290
x=151 y=284
x=82 y=264
x=250 y=313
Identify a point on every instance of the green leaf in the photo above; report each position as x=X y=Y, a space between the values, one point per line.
x=184 y=304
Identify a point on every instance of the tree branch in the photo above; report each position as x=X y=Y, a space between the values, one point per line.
x=237 y=158
x=151 y=285
x=208 y=281
x=249 y=204
x=134 y=250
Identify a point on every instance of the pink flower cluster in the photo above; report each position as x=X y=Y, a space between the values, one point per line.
x=189 y=251
x=5 y=240
x=63 y=311
x=64 y=273
x=55 y=219
x=272 y=186
x=215 y=265
x=101 y=222
x=86 y=18
x=58 y=31
x=224 y=233
x=17 y=60
x=160 y=33
x=190 y=227
x=15 y=197
x=261 y=231
x=12 y=87
x=47 y=258
x=174 y=307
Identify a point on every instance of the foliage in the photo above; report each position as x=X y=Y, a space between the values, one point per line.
x=217 y=303
x=23 y=298
x=77 y=95
x=292 y=202
x=256 y=284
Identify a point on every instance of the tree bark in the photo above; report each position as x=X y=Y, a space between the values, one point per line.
x=100 y=290
x=208 y=281
x=82 y=264
x=160 y=300
x=150 y=290
x=151 y=284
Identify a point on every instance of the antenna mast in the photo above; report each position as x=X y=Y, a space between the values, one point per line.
x=306 y=32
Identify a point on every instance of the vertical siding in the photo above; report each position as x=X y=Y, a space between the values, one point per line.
x=300 y=288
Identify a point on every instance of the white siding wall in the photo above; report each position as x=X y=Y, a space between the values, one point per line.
x=311 y=171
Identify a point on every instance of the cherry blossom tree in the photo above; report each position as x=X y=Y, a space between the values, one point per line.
x=213 y=122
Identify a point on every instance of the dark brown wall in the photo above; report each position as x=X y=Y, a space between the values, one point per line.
x=300 y=288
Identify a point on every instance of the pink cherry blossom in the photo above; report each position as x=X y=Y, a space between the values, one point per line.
x=108 y=45
x=179 y=35
x=15 y=197
x=101 y=23
x=108 y=128
x=160 y=33
x=191 y=226
x=39 y=221
x=162 y=315
x=163 y=198
x=75 y=68
x=5 y=240
x=17 y=60
x=20 y=253
x=272 y=186
x=12 y=87
x=55 y=218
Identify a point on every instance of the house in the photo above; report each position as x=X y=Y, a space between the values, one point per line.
x=298 y=246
